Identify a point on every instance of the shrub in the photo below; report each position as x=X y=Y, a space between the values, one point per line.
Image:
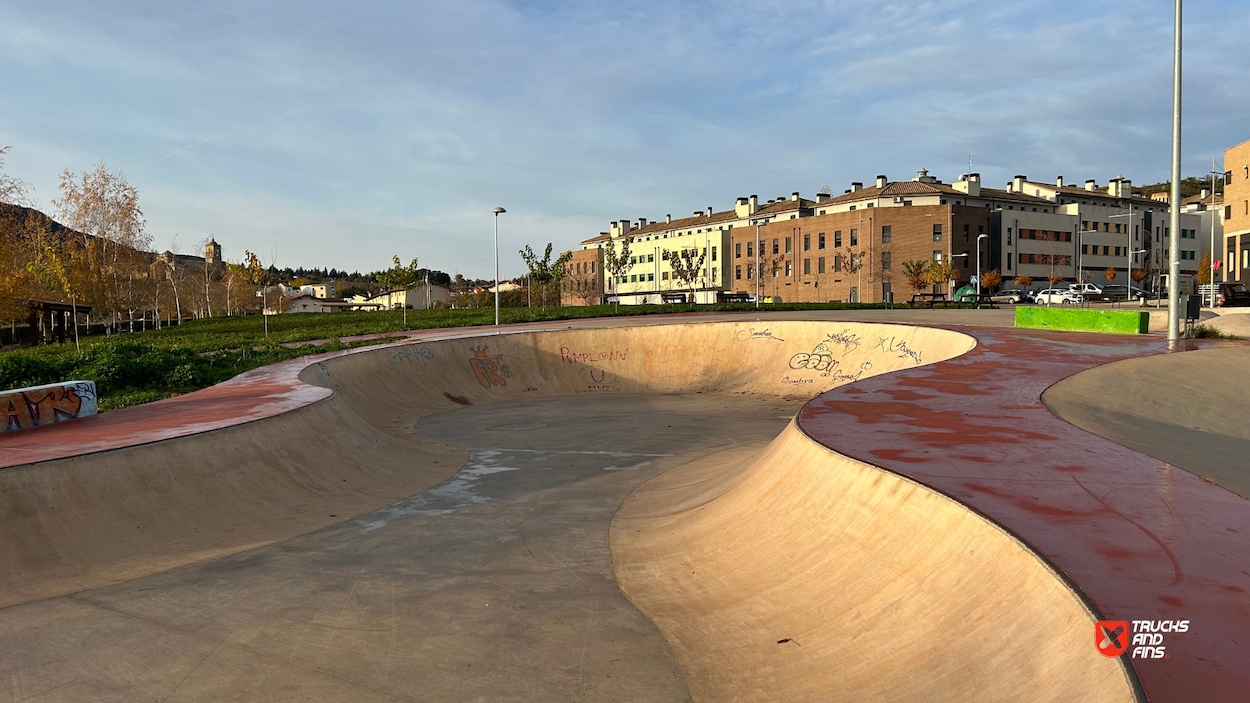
x=19 y=370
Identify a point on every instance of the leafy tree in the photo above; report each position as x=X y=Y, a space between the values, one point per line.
x=399 y=276
x=1024 y=281
x=1109 y=274
x=941 y=273
x=543 y=271
x=687 y=266
x=59 y=275
x=1204 y=270
x=917 y=271
x=257 y=274
x=991 y=280
x=616 y=263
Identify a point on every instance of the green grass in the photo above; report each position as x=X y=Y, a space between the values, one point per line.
x=130 y=369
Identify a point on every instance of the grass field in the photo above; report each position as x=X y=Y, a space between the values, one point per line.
x=130 y=369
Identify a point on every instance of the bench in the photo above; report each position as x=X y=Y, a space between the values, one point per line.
x=929 y=300
x=673 y=298
x=735 y=298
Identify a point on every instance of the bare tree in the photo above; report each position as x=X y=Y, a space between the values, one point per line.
x=687 y=266
x=13 y=190
x=616 y=263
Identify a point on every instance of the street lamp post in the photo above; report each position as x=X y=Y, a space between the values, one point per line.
x=1174 y=220
x=757 y=265
x=498 y=211
x=979 y=238
x=1129 y=288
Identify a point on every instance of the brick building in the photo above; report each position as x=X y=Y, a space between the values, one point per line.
x=1237 y=213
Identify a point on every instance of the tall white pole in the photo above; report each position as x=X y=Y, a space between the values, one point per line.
x=1211 y=210
x=1174 y=220
x=497 y=211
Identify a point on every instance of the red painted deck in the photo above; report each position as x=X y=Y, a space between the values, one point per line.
x=1141 y=539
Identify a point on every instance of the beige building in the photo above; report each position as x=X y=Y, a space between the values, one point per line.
x=418 y=297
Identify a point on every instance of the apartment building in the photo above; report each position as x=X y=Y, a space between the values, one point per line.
x=1237 y=214
x=802 y=250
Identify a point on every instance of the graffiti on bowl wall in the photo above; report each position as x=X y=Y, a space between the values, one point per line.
x=410 y=356
x=897 y=347
x=490 y=371
x=752 y=333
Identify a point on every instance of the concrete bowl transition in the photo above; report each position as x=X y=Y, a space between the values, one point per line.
x=796 y=572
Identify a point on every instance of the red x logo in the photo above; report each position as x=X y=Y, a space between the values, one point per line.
x=1111 y=637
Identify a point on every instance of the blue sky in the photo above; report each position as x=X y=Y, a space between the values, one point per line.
x=340 y=133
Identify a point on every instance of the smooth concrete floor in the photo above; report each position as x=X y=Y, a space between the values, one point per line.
x=496 y=585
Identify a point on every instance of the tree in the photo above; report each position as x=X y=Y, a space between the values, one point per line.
x=543 y=271
x=1025 y=281
x=257 y=274
x=616 y=263
x=58 y=274
x=916 y=272
x=400 y=276
x=940 y=273
x=852 y=264
x=687 y=266
x=234 y=276
x=991 y=280
x=1109 y=274
x=104 y=207
x=13 y=190
x=1139 y=275
x=774 y=263
x=1204 y=270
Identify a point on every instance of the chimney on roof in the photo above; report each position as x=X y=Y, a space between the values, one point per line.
x=1009 y=184
x=742 y=207
x=794 y=195
x=846 y=191
x=822 y=197
x=698 y=213
x=755 y=204
x=970 y=184
x=1204 y=193
x=882 y=181
x=856 y=186
x=709 y=210
x=1018 y=183
x=1090 y=185
x=642 y=222
x=668 y=219
x=1058 y=181
x=1115 y=188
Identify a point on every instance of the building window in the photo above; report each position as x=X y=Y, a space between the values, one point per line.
x=1009 y=263
x=820 y=239
x=633 y=260
x=837 y=263
x=807 y=242
x=664 y=275
x=737 y=250
x=854 y=294
x=633 y=278
x=937 y=232
x=854 y=237
x=886 y=234
x=1187 y=255
x=820 y=265
x=937 y=255
x=1009 y=235
x=776 y=247
x=750 y=249
x=651 y=277
x=738 y=273
x=886 y=293
x=885 y=260
x=713 y=253
x=750 y=271
x=967 y=233
x=789 y=268
x=787 y=245
x=650 y=258
x=807 y=267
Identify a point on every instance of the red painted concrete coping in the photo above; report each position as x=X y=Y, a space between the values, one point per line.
x=1141 y=539
x=250 y=396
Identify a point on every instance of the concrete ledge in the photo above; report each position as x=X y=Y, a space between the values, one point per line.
x=24 y=408
x=1081 y=320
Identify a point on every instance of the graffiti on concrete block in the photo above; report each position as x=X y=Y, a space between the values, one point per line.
x=826 y=355
x=490 y=371
x=597 y=378
x=327 y=377
x=43 y=405
x=410 y=356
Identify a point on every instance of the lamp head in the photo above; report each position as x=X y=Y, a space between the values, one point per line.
x=498 y=210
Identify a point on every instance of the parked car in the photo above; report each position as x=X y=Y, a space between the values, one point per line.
x=1126 y=292
x=1090 y=292
x=1227 y=294
x=1015 y=297
x=1058 y=296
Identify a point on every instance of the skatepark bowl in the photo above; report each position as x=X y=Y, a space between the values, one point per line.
x=728 y=509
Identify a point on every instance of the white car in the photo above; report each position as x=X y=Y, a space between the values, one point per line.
x=1057 y=296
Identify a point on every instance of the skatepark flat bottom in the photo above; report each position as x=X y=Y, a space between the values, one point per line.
x=495 y=585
